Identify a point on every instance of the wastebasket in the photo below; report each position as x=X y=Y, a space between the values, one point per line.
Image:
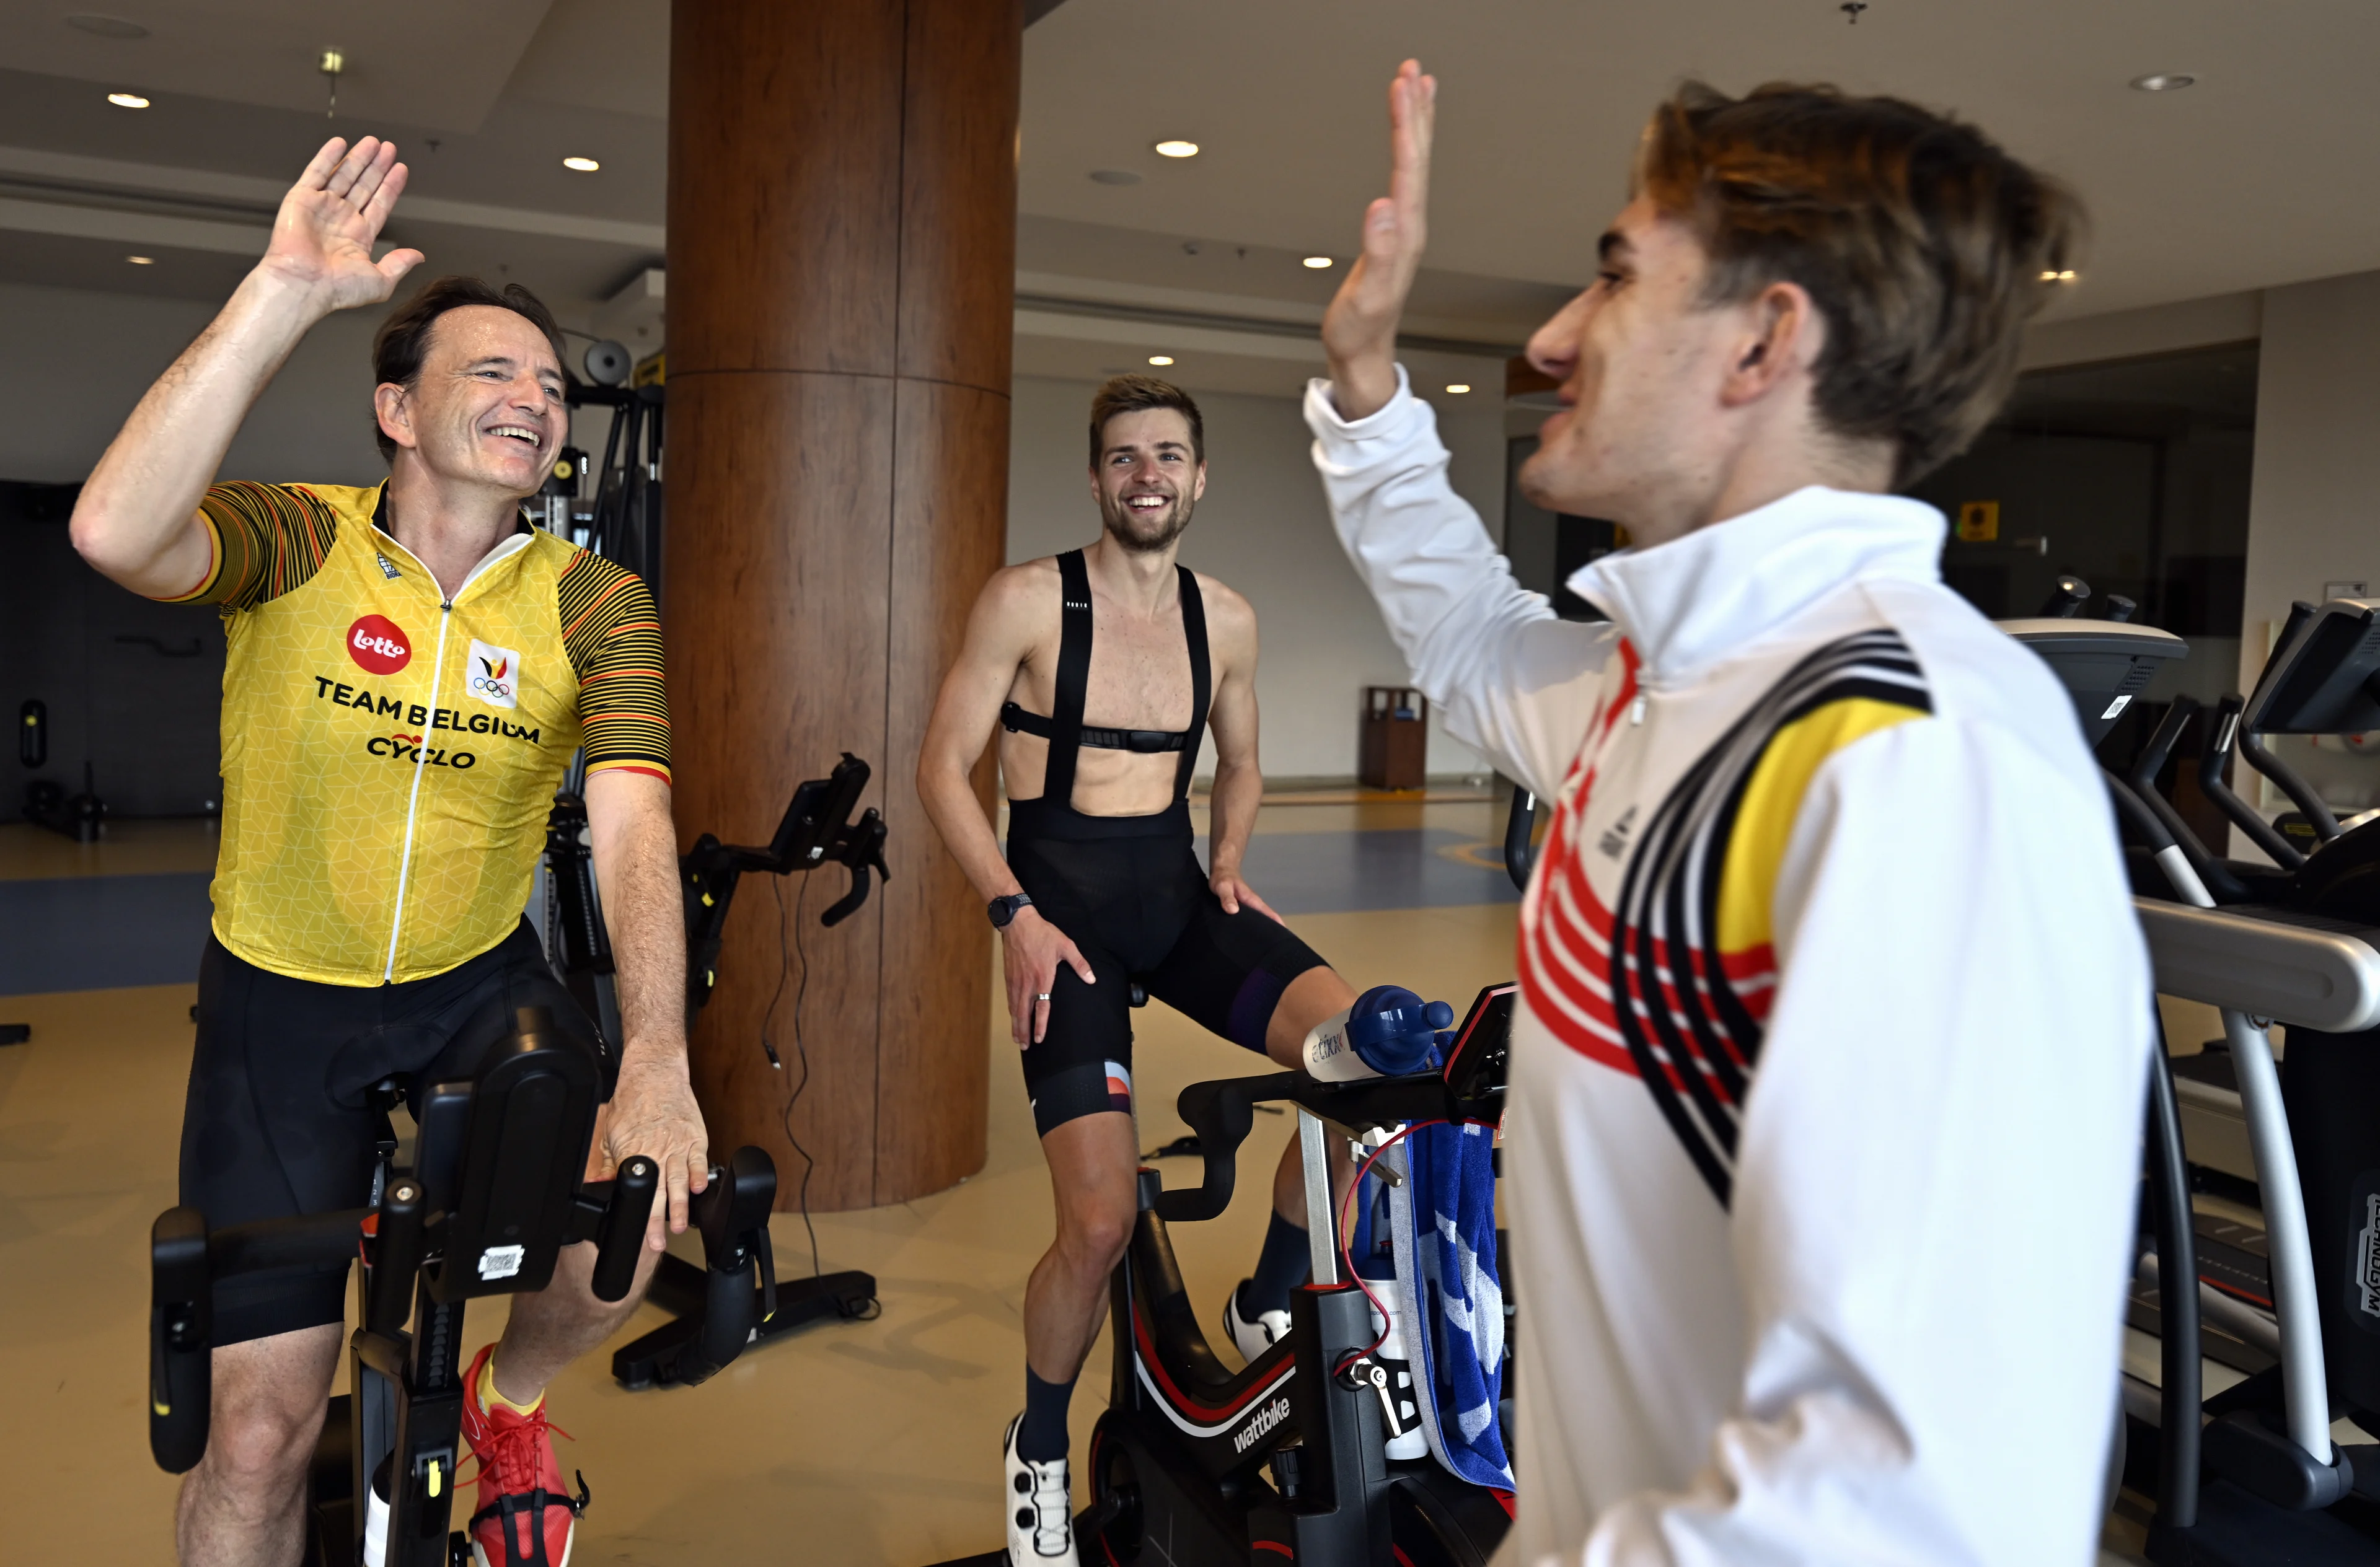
x=1395 y=750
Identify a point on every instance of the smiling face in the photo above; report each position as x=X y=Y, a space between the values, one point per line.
x=1148 y=479
x=1644 y=364
x=487 y=408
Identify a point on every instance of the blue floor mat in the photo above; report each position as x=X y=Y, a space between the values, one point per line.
x=94 y=933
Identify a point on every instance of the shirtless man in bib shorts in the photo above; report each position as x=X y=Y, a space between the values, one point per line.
x=1101 y=669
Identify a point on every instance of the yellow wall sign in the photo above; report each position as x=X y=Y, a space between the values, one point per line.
x=1979 y=521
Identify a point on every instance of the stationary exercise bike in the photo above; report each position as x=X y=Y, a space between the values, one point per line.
x=1195 y=1465
x=490 y=1196
x=817 y=829
x=1286 y=1458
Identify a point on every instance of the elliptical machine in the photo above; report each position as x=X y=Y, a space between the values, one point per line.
x=490 y=1197
x=2263 y=1479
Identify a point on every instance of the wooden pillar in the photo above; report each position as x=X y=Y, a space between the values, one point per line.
x=842 y=256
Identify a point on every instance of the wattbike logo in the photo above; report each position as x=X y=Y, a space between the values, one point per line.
x=1264 y=1420
x=378 y=645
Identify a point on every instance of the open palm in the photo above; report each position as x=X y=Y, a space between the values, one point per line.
x=1359 y=331
x=322 y=235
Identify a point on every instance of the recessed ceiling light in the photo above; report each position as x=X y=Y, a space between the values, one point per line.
x=1177 y=148
x=2164 y=81
x=127 y=99
x=1459 y=387
x=1161 y=358
x=2065 y=275
x=583 y=165
x=142 y=260
x=1318 y=263
x=1114 y=177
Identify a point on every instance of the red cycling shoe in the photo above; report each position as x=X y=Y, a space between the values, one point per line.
x=525 y=1514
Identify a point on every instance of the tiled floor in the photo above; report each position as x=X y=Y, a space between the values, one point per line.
x=849 y=1444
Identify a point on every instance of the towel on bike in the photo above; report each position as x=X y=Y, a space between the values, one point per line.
x=1442 y=1232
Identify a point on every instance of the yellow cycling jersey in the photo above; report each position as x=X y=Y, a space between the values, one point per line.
x=390 y=756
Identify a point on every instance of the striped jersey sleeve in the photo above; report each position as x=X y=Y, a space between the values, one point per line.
x=268 y=540
x=614 y=636
x=1672 y=982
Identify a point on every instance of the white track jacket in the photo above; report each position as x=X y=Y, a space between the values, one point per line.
x=1828 y=1079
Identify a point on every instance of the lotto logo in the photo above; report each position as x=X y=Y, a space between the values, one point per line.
x=378 y=645
x=493 y=675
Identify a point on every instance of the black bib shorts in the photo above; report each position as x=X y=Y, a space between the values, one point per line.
x=277 y=1124
x=1129 y=892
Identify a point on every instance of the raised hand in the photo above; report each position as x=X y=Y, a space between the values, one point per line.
x=322 y=235
x=1359 y=333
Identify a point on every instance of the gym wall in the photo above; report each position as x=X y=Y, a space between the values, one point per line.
x=72 y=365
x=2314 y=519
x=1264 y=529
x=132 y=687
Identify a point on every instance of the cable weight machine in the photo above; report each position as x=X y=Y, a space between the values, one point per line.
x=621 y=515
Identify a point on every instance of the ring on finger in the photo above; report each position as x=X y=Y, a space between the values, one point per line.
x=1042 y=996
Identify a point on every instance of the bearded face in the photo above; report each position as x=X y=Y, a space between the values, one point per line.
x=1148 y=479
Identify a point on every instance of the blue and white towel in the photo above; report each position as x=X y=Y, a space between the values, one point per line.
x=1442 y=1231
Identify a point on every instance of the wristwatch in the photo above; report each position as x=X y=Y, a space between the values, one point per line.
x=1003 y=909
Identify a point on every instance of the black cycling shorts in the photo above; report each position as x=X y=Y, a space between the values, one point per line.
x=277 y=1124
x=1138 y=906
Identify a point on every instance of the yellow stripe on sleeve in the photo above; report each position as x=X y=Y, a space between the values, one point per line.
x=1772 y=802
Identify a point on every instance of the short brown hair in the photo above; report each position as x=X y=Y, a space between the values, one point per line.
x=1138 y=394
x=1922 y=243
x=403 y=338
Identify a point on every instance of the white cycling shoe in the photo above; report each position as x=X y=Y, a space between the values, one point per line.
x=1252 y=1338
x=1040 y=1509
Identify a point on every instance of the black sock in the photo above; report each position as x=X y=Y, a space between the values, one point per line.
x=1042 y=1436
x=1280 y=1268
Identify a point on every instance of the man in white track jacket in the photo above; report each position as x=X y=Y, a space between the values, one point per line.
x=1829 y=1074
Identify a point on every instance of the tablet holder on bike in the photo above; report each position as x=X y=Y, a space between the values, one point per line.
x=492 y=1196
x=817 y=829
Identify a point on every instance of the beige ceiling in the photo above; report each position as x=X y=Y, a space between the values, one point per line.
x=2262 y=174
x=2265 y=171
x=439 y=64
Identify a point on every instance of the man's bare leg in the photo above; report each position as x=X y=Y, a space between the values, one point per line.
x=561 y=1322
x=1313 y=997
x=551 y=1329
x=1093 y=1175
x=244 y=1504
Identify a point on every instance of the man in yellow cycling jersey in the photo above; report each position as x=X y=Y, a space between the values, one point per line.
x=411 y=667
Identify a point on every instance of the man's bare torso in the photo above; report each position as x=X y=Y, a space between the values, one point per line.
x=1139 y=680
